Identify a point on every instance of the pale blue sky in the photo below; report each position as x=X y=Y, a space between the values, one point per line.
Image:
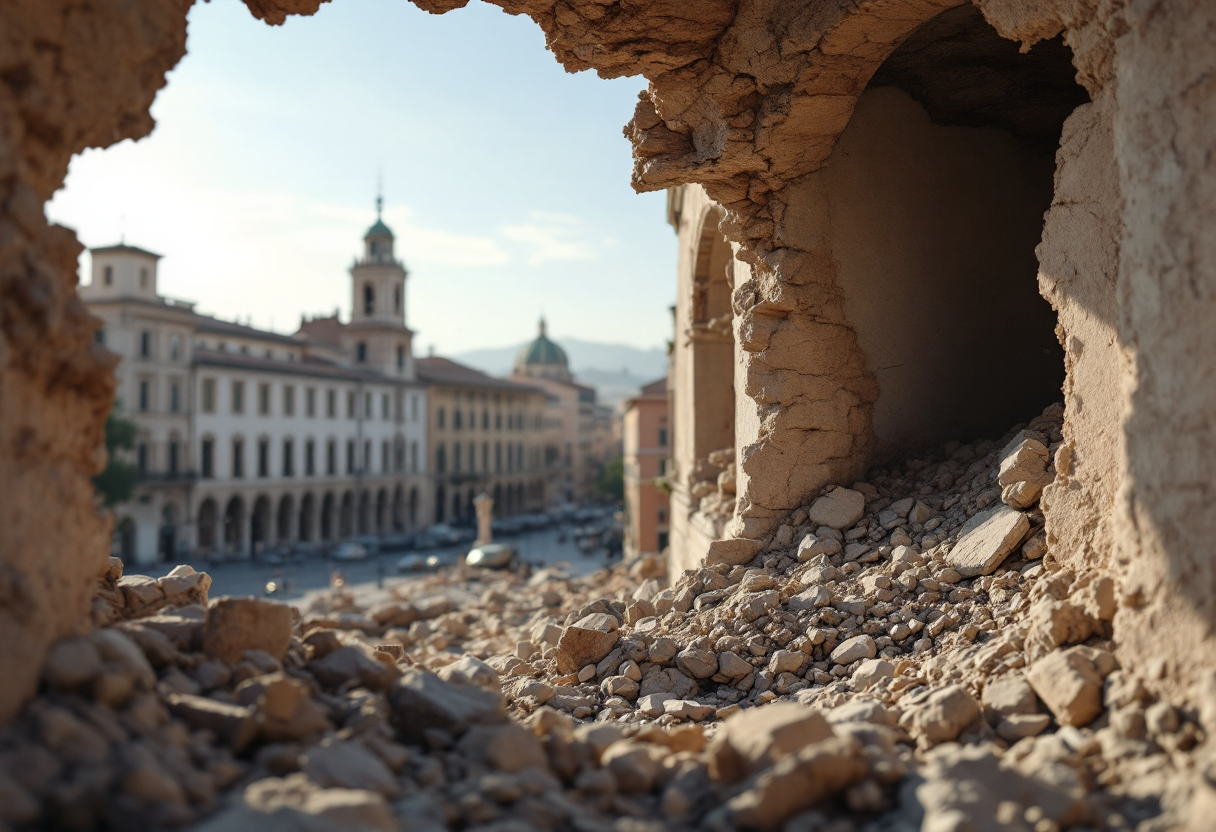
x=506 y=179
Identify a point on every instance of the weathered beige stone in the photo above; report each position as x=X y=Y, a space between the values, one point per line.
x=987 y=539
x=757 y=738
x=235 y=625
x=586 y=641
x=852 y=649
x=840 y=508
x=1069 y=684
x=799 y=782
x=944 y=715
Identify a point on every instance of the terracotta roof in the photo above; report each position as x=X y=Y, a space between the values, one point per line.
x=655 y=388
x=436 y=370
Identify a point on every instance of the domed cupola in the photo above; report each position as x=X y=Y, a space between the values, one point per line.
x=543 y=358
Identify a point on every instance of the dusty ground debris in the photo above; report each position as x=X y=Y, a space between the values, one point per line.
x=466 y=701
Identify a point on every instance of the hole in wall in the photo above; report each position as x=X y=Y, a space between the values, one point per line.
x=937 y=192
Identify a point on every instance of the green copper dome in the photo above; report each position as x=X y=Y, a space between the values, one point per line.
x=541 y=352
x=379 y=229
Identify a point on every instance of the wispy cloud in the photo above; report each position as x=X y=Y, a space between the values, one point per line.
x=549 y=236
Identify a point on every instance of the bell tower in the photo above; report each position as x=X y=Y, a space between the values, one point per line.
x=377 y=334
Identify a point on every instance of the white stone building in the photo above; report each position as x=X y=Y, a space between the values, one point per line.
x=251 y=439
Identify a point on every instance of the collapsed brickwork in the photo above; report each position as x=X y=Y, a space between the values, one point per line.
x=748 y=100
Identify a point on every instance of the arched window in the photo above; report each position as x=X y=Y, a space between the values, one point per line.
x=175 y=348
x=108 y=275
x=361 y=352
x=369 y=299
x=400 y=358
x=397 y=299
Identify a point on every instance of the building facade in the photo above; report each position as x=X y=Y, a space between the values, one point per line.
x=647 y=462
x=252 y=439
x=486 y=435
x=582 y=429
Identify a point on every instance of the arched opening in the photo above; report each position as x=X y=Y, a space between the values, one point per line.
x=413 y=509
x=167 y=544
x=381 y=511
x=346 y=516
x=284 y=524
x=308 y=507
x=369 y=299
x=497 y=495
x=441 y=496
x=234 y=522
x=398 y=511
x=124 y=539
x=457 y=506
x=259 y=524
x=207 y=512
x=365 y=512
x=327 y=517
x=936 y=191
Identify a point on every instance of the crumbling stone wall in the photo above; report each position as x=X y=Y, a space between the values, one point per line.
x=747 y=98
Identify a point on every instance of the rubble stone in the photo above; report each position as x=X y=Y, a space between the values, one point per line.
x=235 y=625
x=854 y=649
x=987 y=539
x=1069 y=684
x=840 y=508
x=587 y=641
x=755 y=739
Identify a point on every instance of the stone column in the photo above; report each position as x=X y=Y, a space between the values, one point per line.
x=484 y=505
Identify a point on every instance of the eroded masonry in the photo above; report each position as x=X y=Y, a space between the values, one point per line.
x=906 y=227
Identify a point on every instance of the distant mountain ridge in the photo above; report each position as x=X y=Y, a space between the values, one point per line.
x=617 y=371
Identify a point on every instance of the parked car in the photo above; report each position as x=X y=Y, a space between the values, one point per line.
x=416 y=563
x=492 y=556
x=348 y=552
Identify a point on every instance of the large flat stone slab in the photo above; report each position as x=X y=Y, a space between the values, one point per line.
x=988 y=538
x=840 y=508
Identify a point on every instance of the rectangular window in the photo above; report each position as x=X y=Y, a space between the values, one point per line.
x=384 y=407
x=263 y=399
x=367 y=455
x=141 y=458
x=289 y=458
x=662 y=467
x=350 y=456
x=145 y=395
x=456 y=458
x=441 y=460
x=289 y=400
x=352 y=401
x=414 y=457
x=207 y=458
x=498 y=457
x=368 y=411
x=331 y=458
x=263 y=457
x=208 y=395
x=310 y=402
x=662 y=437
x=310 y=451
x=331 y=404
x=145 y=344
x=238 y=458
x=173 y=458
x=100 y=337
x=384 y=467
x=175 y=397
x=413 y=408
x=238 y=397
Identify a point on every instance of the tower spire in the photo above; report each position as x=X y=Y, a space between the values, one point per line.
x=379 y=194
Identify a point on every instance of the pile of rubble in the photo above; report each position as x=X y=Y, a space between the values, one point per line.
x=905 y=654
x=713 y=489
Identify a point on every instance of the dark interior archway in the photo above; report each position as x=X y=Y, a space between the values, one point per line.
x=937 y=190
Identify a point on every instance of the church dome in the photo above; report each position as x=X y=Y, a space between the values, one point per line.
x=378 y=230
x=541 y=355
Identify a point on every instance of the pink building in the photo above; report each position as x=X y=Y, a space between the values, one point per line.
x=647 y=439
